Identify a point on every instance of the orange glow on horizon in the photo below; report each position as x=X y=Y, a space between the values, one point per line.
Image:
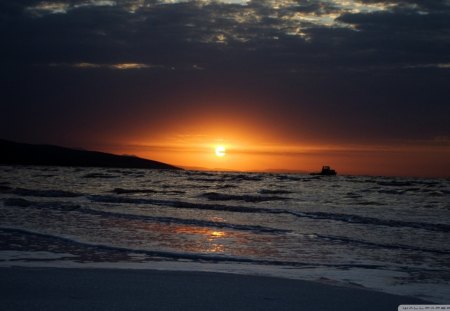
x=250 y=148
x=241 y=155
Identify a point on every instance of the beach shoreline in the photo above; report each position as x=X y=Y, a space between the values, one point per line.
x=128 y=289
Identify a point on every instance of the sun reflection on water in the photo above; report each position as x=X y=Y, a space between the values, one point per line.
x=218 y=234
x=211 y=241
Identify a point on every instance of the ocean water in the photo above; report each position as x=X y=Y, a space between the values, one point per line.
x=382 y=233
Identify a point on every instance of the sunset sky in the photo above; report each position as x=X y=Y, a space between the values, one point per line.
x=361 y=85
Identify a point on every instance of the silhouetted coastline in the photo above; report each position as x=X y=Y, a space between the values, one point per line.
x=14 y=153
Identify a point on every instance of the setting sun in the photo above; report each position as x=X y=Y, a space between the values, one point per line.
x=220 y=151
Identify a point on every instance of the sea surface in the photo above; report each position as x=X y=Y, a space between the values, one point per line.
x=382 y=233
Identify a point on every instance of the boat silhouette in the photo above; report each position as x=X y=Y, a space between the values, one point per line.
x=326 y=171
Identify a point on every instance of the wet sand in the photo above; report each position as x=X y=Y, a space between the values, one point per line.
x=106 y=289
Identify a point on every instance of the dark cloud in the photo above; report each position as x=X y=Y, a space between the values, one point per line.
x=369 y=70
x=437 y=5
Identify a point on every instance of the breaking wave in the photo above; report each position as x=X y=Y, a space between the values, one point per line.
x=197 y=257
x=214 y=196
x=345 y=240
x=145 y=191
x=348 y=218
x=67 y=207
x=39 y=193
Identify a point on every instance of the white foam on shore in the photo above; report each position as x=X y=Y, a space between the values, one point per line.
x=354 y=278
x=22 y=256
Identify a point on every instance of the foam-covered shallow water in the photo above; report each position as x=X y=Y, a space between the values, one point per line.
x=388 y=234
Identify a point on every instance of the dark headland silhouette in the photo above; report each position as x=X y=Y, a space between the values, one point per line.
x=13 y=153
